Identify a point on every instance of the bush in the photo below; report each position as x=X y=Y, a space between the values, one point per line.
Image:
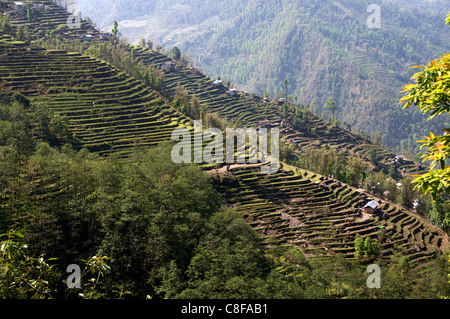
x=22 y=99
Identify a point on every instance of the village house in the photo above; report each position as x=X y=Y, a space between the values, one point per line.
x=265 y=123
x=217 y=83
x=88 y=37
x=281 y=101
x=18 y=5
x=105 y=35
x=39 y=5
x=168 y=66
x=397 y=160
x=371 y=207
x=232 y=92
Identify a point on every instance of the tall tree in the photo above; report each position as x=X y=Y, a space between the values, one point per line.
x=115 y=31
x=331 y=105
x=285 y=89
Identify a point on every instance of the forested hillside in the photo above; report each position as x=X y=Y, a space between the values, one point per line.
x=324 y=49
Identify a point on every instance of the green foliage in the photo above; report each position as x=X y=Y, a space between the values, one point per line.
x=97 y=267
x=366 y=249
x=115 y=32
x=175 y=53
x=349 y=170
x=331 y=106
x=5 y=24
x=374 y=156
x=23 y=276
x=431 y=94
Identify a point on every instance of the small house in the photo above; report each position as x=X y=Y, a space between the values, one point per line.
x=397 y=160
x=232 y=92
x=217 y=83
x=416 y=204
x=195 y=71
x=371 y=207
x=265 y=123
x=168 y=66
x=88 y=37
x=18 y=5
x=105 y=35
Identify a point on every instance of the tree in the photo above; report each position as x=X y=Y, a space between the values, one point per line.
x=407 y=193
x=285 y=110
x=115 y=31
x=286 y=153
x=29 y=11
x=331 y=105
x=133 y=54
x=392 y=190
x=366 y=248
x=285 y=89
x=3 y=5
x=374 y=155
x=22 y=99
x=24 y=276
x=175 y=53
x=5 y=24
x=150 y=44
x=20 y=34
x=431 y=93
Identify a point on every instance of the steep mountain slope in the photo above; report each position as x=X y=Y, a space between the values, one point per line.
x=107 y=111
x=287 y=207
x=110 y=112
x=323 y=48
x=301 y=129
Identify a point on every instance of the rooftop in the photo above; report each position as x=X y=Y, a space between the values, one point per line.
x=373 y=204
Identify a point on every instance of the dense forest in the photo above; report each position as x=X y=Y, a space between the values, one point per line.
x=324 y=49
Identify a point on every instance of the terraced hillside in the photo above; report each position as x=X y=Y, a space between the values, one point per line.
x=107 y=110
x=317 y=214
x=45 y=17
x=245 y=109
x=251 y=110
x=248 y=110
x=110 y=112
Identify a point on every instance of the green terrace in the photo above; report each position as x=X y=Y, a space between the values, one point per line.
x=107 y=110
x=326 y=216
x=48 y=16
